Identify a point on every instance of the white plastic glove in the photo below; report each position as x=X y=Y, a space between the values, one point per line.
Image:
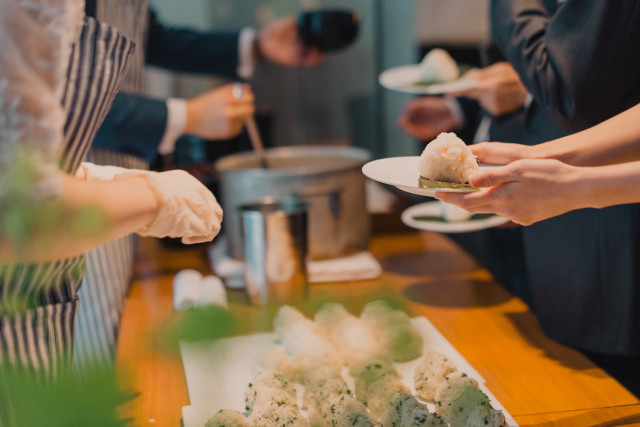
x=92 y=172
x=187 y=208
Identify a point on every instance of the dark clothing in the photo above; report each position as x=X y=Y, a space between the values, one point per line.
x=135 y=125
x=579 y=65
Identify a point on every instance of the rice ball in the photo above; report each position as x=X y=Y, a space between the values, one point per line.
x=447 y=158
x=278 y=415
x=457 y=396
x=229 y=418
x=379 y=395
x=430 y=373
x=438 y=66
x=484 y=415
x=405 y=410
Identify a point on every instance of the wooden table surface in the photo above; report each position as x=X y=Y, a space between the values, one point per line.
x=539 y=381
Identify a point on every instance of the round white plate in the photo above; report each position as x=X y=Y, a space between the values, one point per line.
x=412 y=217
x=402 y=172
x=404 y=79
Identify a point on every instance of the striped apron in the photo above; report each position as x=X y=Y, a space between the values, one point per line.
x=39 y=335
x=110 y=267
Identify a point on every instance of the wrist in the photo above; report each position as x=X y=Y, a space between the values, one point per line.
x=590 y=187
x=192 y=116
x=151 y=201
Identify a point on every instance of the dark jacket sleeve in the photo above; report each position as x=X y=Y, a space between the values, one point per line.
x=579 y=63
x=178 y=49
x=135 y=125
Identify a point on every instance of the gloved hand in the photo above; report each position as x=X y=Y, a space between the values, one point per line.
x=187 y=208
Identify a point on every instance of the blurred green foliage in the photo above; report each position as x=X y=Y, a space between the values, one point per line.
x=90 y=397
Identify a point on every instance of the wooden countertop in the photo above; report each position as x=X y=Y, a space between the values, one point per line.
x=539 y=381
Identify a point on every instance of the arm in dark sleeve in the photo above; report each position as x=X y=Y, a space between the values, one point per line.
x=177 y=49
x=135 y=125
x=580 y=64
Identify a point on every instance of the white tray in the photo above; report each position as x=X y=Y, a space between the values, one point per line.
x=218 y=372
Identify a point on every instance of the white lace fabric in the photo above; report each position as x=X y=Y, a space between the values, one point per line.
x=35 y=46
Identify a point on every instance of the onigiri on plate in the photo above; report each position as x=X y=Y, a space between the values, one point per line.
x=447 y=158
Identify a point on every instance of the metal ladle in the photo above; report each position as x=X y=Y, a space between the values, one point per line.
x=254 y=135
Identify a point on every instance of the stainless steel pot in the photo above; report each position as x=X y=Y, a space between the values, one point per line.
x=328 y=178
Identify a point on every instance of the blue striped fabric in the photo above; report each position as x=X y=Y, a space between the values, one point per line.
x=39 y=302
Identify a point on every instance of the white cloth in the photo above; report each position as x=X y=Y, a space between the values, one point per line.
x=191 y=289
x=360 y=266
x=186 y=289
x=212 y=292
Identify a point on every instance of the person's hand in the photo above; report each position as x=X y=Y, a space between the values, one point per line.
x=187 y=208
x=525 y=191
x=502 y=153
x=425 y=118
x=499 y=88
x=219 y=113
x=280 y=43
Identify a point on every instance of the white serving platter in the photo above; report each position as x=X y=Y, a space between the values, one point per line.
x=219 y=372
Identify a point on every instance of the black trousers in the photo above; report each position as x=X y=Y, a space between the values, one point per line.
x=625 y=369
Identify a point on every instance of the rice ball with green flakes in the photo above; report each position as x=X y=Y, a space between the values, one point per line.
x=227 y=418
x=430 y=373
x=447 y=158
x=457 y=396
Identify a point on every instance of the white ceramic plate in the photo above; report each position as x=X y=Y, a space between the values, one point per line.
x=402 y=172
x=217 y=373
x=428 y=216
x=406 y=79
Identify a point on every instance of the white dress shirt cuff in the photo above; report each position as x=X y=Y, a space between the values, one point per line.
x=246 y=54
x=176 y=125
x=527 y=101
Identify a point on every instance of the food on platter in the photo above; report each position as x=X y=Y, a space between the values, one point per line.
x=438 y=66
x=397 y=334
x=228 y=417
x=351 y=336
x=447 y=159
x=342 y=370
x=457 y=397
x=406 y=410
x=432 y=372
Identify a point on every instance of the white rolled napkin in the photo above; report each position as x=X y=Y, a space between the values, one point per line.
x=212 y=292
x=187 y=288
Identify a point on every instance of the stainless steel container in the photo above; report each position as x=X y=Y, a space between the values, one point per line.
x=274 y=237
x=328 y=178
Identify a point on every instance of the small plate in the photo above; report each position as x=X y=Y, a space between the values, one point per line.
x=406 y=79
x=402 y=172
x=428 y=216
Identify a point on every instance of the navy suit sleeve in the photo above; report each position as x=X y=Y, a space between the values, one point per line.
x=579 y=63
x=135 y=125
x=177 y=49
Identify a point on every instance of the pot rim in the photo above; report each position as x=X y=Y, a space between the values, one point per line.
x=360 y=156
